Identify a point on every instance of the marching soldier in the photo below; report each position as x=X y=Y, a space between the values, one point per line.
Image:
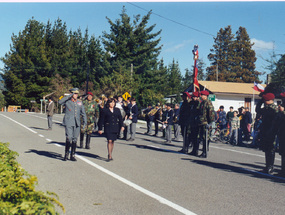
x=92 y=113
x=194 y=122
x=73 y=110
x=281 y=133
x=206 y=117
x=168 y=122
x=268 y=129
x=49 y=112
x=184 y=121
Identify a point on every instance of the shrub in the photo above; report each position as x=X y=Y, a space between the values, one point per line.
x=17 y=188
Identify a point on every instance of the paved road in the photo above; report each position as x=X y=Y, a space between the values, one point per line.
x=146 y=176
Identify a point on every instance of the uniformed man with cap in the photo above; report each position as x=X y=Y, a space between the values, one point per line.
x=281 y=133
x=194 y=122
x=92 y=113
x=206 y=117
x=268 y=129
x=184 y=121
x=73 y=110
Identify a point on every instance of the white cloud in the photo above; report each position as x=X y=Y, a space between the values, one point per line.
x=178 y=47
x=260 y=45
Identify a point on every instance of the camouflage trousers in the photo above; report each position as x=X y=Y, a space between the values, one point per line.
x=204 y=136
x=88 y=129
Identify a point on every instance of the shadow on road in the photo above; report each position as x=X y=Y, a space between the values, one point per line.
x=240 y=170
x=86 y=154
x=46 y=154
x=37 y=128
x=153 y=148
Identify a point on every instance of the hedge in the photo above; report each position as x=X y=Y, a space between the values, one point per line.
x=17 y=189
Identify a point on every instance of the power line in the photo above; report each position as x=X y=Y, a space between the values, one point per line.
x=171 y=20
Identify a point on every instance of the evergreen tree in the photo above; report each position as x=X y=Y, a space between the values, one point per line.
x=26 y=65
x=278 y=75
x=243 y=65
x=221 y=55
x=133 y=43
x=187 y=79
x=174 y=78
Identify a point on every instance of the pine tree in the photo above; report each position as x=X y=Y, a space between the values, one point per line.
x=243 y=65
x=221 y=55
x=278 y=75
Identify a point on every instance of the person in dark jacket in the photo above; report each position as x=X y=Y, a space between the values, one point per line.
x=281 y=133
x=176 y=126
x=268 y=129
x=157 y=117
x=149 y=118
x=112 y=120
x=194 y=123
x=184 y=121
x=246 y=124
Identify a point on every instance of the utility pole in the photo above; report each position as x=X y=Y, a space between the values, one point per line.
x=131 y=77
x=217 y=72
x=87 y=78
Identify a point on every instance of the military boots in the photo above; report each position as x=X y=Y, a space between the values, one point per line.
x=67 y=146
x=87 y=145
x=269 y=159
x=73 y=147
x=81 y=140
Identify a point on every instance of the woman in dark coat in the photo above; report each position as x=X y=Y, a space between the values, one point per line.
x=112 y=121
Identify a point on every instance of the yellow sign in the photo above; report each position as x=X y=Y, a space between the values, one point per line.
x=60 y=97
x=126 y=96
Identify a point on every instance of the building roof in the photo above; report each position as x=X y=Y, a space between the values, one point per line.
x=230 y=87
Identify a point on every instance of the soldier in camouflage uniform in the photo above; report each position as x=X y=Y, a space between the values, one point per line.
x=92 y=113
x=268 y=129
x=206 y=117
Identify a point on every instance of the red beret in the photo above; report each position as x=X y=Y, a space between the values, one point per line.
x=282 y=94
x=195 y=94
x=268 y=96
x=204 y=92
x=188 y=95
x=89 y=93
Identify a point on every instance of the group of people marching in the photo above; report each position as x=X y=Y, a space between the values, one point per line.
x=193 y=119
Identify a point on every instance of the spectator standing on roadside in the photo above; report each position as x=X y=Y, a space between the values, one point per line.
x=222 y=120
x=246 y=124
x=134 y=112
x=176 y=126
x=234 y=126
x=50 y=111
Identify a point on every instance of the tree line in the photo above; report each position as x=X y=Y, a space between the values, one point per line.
x=46 y=58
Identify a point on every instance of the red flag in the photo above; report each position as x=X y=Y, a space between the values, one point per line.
x=195 y=72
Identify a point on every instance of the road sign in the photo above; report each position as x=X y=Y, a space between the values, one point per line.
x=212 y=97
x=126 y=96
x=43 y=100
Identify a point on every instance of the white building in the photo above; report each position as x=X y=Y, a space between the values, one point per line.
x=232 y=94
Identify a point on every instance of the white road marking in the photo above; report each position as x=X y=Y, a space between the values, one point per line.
x=49 y=140
x=41 y=135
x=125 y=181
x=139 y=188
x=19 y=124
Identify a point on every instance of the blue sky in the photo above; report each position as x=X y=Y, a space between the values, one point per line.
x=183 y=24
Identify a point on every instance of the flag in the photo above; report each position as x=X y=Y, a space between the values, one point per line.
x=195 y=72
x=258 y=87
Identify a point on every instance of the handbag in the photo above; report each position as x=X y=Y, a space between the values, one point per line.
x=127 y=122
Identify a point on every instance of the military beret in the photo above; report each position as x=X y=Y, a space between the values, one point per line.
x=268 y=96
x=89 y=93
x=187 y=94
x=195 y=94
x=74 y=90
x=204 y=92
x=282 y=94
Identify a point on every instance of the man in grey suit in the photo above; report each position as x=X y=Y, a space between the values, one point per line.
x=74 y=108
x=49 y=111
